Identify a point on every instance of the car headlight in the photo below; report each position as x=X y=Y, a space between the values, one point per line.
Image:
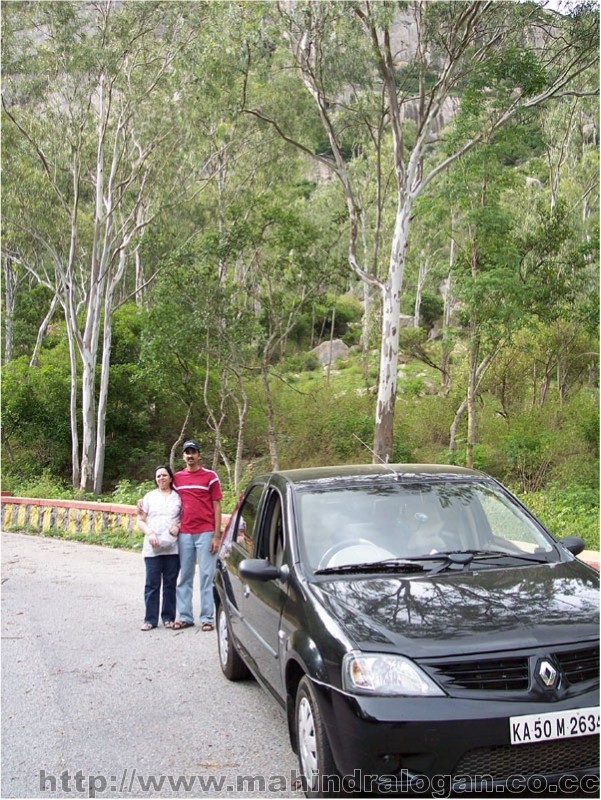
x=384 y=674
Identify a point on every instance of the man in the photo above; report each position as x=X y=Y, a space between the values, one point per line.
x=200 y=536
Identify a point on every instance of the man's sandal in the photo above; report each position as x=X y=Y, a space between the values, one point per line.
x=181 y=624
x=169 y=624
x=208 y=626
x=147 y=627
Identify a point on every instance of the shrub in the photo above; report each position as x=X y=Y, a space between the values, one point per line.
x=571 y=511
x=42 y=486
x=128 y=492
x=302 y=362
x=347 y=426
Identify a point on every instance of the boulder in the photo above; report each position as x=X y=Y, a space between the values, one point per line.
x=326 y=352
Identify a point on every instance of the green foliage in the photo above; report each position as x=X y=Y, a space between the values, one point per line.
x=431 y=309
x=115 y=539
x=589 y=426
x=529 y=454
x=44 y=485
x=128 y=492
x=35 y=402
x=246 y=239
x=303 y=362
x=346 y=426
x=568 y=511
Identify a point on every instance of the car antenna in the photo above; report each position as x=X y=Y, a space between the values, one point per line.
x=375 y=455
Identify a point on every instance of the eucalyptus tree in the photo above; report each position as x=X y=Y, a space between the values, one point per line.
x=197 y=349
x=220 y=310
x=486 y=271
x=287 y=273
x=397 y=69
x=95 y=92
x=520 y=261
x=559 y=230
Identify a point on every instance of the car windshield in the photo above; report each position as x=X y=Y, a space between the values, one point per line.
x=365 y=524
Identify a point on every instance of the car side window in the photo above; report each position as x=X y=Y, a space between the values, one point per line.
x=271 y=544
x=247 y=521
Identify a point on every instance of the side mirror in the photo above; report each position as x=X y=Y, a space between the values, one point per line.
x=573 y=544
x=259 y=569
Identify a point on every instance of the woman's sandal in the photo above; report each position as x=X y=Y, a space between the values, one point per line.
x=169 y=624
x=181 y=624
x=147 y=627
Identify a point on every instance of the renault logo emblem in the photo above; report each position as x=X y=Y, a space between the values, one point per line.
x=548 y=674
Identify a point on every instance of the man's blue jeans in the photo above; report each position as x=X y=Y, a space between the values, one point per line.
x=194 y=548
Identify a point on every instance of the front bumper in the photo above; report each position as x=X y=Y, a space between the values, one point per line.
x=402 y=744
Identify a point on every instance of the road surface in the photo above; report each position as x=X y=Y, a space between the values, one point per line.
x=92 y=706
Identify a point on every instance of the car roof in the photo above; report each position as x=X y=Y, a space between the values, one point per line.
x=348 y=472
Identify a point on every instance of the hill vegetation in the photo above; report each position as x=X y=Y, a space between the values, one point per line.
x=196 y=195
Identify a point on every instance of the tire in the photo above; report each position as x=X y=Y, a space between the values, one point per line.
x=232 y=665
x=319 y=775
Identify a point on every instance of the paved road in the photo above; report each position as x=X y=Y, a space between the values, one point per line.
x=91 y=706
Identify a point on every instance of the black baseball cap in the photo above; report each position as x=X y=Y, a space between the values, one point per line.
x=191 y=443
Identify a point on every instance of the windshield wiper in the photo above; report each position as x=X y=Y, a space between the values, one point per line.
x=536 y=559
x=452 y=559
x=386 y=565
x=459 y=559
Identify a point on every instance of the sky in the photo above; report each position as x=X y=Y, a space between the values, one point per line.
x=563 y=6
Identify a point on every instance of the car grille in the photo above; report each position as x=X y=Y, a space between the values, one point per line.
x=582 y=665
x=509 y=674
x=531 y=759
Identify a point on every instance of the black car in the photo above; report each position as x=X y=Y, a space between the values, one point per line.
x=422 y=630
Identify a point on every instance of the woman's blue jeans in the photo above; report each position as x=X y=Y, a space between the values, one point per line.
x=195 y=548
x=160 y=569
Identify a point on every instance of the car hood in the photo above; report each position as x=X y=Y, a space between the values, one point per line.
x=476 y=610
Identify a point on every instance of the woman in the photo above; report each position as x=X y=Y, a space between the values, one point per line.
x=158 y=518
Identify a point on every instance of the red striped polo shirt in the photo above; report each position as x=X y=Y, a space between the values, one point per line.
x=198 y=490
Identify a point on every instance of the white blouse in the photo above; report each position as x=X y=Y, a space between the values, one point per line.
x=163 y=512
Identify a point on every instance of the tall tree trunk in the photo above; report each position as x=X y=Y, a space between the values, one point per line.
x=474 y=353
x=479 y=374
x=271 y=437
x=180 y=438
x=33 y=361
x=365 y=329
x=329 y=369
x=424 y=264
x=102 y=407
x=241 y=401
x=75 y=467
x=88 y=413
x=10 y=301
x=454 y=428
x=389 y=350
x=447 y=296
x=107 y=342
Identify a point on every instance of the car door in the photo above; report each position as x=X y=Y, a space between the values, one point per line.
x=244 y=532
x=264 y=601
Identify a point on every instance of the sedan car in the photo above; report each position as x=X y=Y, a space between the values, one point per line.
x=421 y=629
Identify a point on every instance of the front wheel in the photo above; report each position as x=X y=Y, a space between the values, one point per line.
x=232 y=665
x=318 y=771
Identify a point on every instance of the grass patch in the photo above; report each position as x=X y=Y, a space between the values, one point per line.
x=118 y=540
x=571 y=511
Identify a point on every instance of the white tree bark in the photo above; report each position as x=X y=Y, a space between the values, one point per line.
x=88 y=278
x=474 y=31
x=11 y=282
x=42 y=331
x=424 y=264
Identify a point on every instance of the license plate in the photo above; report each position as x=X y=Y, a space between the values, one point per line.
x=554 y=725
